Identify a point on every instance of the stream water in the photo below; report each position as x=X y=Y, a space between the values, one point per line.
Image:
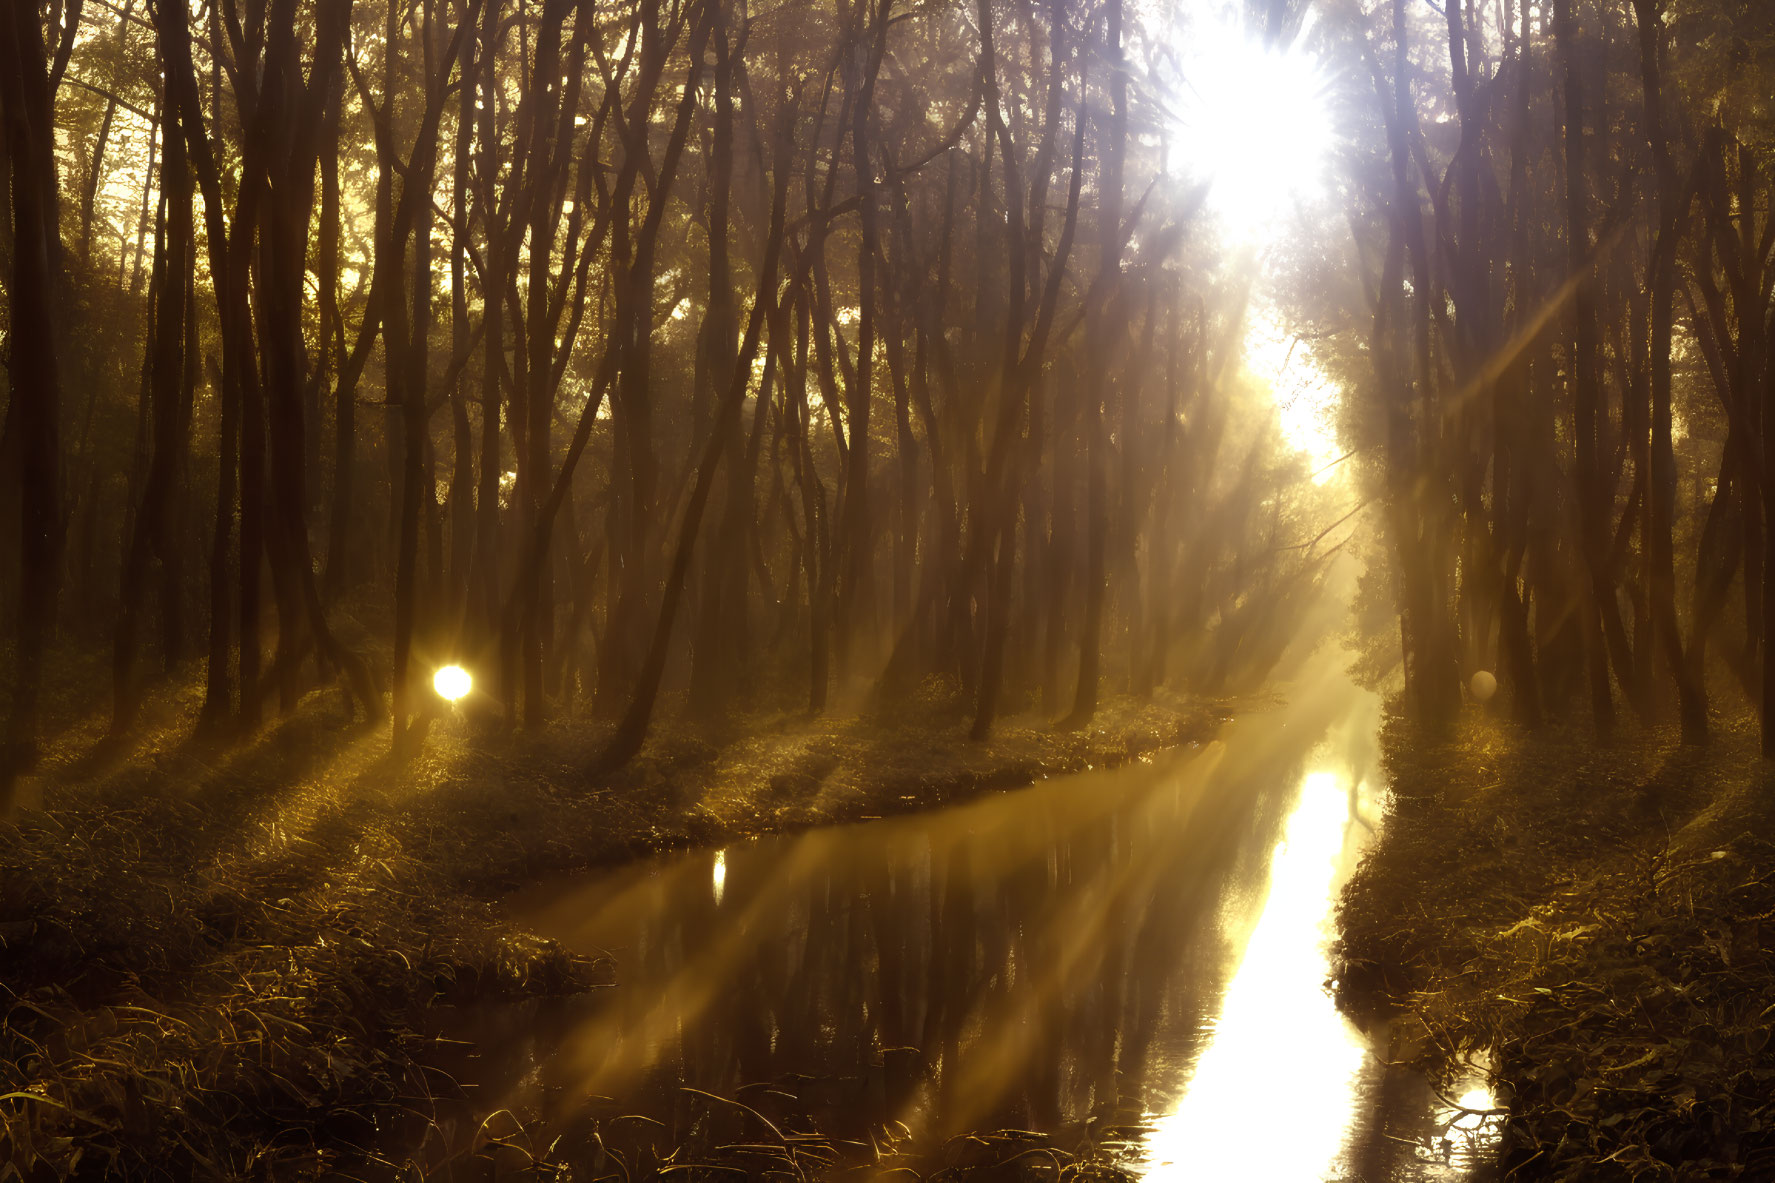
x=1150 y=939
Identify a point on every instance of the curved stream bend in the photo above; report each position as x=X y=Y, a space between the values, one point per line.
x=1157 y=932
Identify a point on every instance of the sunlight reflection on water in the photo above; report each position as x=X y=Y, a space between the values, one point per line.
x=1276 y=999
x=1279 y=997
x=1154 y=939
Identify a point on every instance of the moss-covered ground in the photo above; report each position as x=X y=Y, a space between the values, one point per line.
x=215 y=959
x=1596 y=925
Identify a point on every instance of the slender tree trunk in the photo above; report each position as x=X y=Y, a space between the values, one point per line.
x=484 y=582
x=135 y=277
x=1586 y=377
x=621 y=669
x=155 y=530
x=1767 y=713
x=462 y=471
x=813 y=509
x=631 y=731
x=291 y=116
x=1690 y=684
x=714 y=658
x=330 y=334
x=35 y=381
x=95 y=172
x=855 y=601
x=1109 y=215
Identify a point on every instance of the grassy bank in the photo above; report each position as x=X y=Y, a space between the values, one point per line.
x=214 y=960
x=1597 y=926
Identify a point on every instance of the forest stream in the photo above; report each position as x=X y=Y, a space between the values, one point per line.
x=1152 y=933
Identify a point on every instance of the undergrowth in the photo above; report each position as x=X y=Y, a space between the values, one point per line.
x=215 y=959
x=773 y=1130
x=1593 y=925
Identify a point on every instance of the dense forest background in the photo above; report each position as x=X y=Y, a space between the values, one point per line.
x=820 y=354
x=1550 y=306
x=770 y=355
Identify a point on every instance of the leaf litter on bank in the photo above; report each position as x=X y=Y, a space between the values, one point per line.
x=1598 y=925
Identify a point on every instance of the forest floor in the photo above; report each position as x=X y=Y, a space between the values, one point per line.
x=214 y=959
x=1595 y=927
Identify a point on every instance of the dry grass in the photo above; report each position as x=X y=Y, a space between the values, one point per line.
x=774 y=1131
x=1595 y=924
x=214 y=960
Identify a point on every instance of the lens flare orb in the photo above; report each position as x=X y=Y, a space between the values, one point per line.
x=452 y=682
x=1483 y=686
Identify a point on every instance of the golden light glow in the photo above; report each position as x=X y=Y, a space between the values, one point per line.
x=1254 y=123
x=452 y=682
x=1247 y=1017
x=1478 y=1099
x=1306 y=397
x=1276 y=1001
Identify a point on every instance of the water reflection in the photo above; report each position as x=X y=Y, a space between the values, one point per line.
x=1150 y=941
x=1277 y=1001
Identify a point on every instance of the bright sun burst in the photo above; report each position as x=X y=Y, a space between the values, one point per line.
x=452 y=682
x=1253 y=122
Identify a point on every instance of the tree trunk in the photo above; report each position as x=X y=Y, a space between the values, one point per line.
x=1586 y=376
x=1690 y=679
x=155 y=532
x=1109 y=217
x=631 y=731
x=35 y=409
x=714 y=668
